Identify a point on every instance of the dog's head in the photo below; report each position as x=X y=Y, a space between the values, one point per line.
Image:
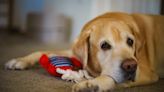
x=108 y=45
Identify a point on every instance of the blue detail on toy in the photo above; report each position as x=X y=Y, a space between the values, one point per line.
x=59 y=61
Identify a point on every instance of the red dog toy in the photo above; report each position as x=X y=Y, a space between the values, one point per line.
x=64 y=63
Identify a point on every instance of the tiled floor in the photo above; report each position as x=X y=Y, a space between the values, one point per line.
x=36 y=79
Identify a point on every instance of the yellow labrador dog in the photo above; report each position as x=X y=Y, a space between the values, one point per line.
x=116 y=49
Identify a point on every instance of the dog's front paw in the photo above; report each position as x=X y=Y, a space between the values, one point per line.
x=16 y=64
x=86 y=86
x=100 y=84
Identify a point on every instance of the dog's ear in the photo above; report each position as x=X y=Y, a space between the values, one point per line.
x=139 y=41
x=82 y=50
x=136 y=27
x=81 y=46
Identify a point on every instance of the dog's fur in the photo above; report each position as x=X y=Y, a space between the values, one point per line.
x=146 y=31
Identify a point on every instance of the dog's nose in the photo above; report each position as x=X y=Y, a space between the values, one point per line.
x=129 y=66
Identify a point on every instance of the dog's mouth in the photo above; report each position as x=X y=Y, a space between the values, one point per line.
x=122 y=77
x=119 y=74
x=130 y=76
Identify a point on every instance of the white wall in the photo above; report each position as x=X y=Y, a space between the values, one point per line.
x=77 y=10
x=129 y=6
x=80 y=11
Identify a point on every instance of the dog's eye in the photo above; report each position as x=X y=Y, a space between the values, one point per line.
x=105 y=46
x=130 y=42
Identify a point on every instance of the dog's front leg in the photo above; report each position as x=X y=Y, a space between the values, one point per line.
x=31 y=59
x=100 y=84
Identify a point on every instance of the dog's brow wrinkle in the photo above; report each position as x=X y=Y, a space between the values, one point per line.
x=116 y=34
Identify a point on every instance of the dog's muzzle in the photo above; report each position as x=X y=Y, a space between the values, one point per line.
x=129 y=67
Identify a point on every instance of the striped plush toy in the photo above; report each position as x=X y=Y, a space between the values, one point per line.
x=61 y=66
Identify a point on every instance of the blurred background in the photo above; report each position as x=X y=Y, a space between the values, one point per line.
x=31 y=25
x=60 y=21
